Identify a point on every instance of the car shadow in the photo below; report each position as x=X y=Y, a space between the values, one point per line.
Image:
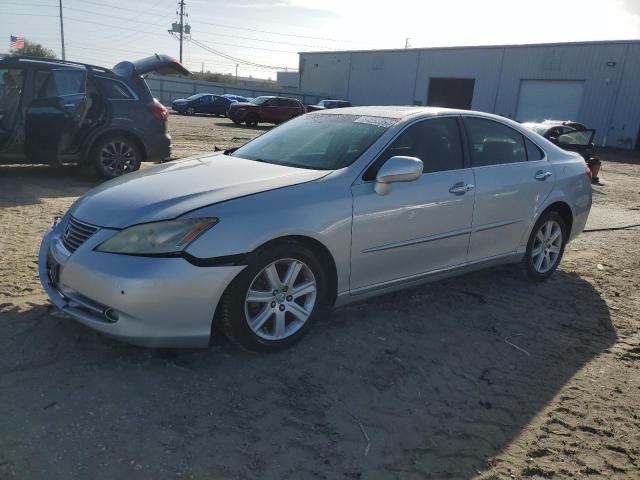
x=427 y=382
x=30 y=184
x=228 y=124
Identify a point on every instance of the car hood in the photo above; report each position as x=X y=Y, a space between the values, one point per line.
x=172 y=189
x=244 y=105
x=180 y=100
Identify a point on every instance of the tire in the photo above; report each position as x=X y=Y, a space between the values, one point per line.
x=125 y=150
x=279 y=320
x=545 y=247
x=252 y=121
x=191 y=111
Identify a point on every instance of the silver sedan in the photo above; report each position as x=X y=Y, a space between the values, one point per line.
x=329 y=208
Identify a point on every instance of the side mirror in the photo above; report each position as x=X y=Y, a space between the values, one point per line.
x=397 y=169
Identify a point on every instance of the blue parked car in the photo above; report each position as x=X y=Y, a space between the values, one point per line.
x=237 y=98
x=202 y=103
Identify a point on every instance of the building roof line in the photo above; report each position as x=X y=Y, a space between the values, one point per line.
x=454 y=47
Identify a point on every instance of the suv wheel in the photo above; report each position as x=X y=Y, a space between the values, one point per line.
x=115 y=156
x=273 y=302
x=545 y=247
x=252 y=121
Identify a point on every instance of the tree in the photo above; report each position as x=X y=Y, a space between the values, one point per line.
x=32 y=49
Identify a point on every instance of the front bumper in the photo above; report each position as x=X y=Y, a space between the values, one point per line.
x=152 y=302
x=238 y=115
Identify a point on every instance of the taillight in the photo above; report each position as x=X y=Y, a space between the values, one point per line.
x=159 y=111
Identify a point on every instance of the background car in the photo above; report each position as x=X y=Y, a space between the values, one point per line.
x=58 y=112
x=237 y=98
x=203 y=103
x=329 y=208
x=266 y=110
x=324 y=104
x=574 y=137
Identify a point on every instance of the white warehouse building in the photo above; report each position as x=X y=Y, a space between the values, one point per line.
x=595 y=83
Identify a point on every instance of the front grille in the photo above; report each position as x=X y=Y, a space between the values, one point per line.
x=76 y=233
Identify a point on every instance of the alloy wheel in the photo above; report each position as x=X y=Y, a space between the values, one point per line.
x=280 y=299
x=118 y=157
x=547 y=246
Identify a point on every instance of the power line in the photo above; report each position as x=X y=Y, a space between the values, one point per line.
x=230 y=57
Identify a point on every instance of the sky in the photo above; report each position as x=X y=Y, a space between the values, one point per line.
x=270 y=33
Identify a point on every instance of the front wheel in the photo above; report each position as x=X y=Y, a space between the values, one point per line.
x=114 y=156
x=276 y=299
x=546 y=246
x=191 y=111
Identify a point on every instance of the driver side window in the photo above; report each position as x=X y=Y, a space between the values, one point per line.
x=435 y=141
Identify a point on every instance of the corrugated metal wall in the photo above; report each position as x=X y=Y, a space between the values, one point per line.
x=610 y=72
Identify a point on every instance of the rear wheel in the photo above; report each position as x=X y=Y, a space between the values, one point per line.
x=276 y=299
x=546 y=246
x=116 y=155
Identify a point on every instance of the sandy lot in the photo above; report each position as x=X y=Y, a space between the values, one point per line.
x=483 y=376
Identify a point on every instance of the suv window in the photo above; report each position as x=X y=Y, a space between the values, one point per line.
x=11 y=86
x=114 y=89
x=60 y=83
x=435 y=141
x=493 y=143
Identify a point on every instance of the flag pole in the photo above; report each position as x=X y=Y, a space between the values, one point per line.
x=62 y=31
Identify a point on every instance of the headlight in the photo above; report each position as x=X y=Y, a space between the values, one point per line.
x=158 y=237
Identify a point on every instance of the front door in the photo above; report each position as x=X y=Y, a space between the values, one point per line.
x=11 y=119
x=420 y=226
x=56 y=113
x=513 y=179
x=271 y=111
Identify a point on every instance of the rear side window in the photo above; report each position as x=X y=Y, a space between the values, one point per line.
x=436 y=142
x=115 y=90
x=60 y=83
x=493 y=143
x=533 y=151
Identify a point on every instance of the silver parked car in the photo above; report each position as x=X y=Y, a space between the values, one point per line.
x=329 y=208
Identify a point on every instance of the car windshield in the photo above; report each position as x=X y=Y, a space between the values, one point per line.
x=259 y=100
x=197 y=95
x=319 y=142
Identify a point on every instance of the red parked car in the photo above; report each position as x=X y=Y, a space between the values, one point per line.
x=266 y=110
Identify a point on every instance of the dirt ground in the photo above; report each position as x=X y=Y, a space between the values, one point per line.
x=483 y=376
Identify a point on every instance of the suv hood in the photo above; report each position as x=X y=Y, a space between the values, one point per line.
x=160 y=64
x=172 y=189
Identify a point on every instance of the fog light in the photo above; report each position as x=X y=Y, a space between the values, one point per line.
x=111 y=315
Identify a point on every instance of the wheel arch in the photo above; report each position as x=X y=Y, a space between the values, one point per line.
x=325 y=256
x=564 y=210
x=91 y=144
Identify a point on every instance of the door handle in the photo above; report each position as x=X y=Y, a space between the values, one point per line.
x=461 y=188
x=69 y=105
x=542 y=175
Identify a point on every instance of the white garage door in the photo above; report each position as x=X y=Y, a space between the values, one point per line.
x=549 y=99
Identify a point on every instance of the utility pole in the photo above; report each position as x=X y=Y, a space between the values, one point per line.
x=62 y=31
x=407 y=44
x=237 y=65
x=181 y=26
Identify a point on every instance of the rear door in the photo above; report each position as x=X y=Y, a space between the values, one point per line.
x=513 y=179
x=11 y=97
x=56 y=112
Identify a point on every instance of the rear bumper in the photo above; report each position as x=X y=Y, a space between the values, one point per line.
x=158 y=147
x=151 y=302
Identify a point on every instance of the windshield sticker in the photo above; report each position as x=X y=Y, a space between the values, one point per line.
x=379 y=121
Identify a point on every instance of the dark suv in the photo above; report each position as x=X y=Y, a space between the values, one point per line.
x=266 y=109
x=59 y=112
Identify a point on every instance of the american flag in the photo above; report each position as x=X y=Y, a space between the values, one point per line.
x=16 y=42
